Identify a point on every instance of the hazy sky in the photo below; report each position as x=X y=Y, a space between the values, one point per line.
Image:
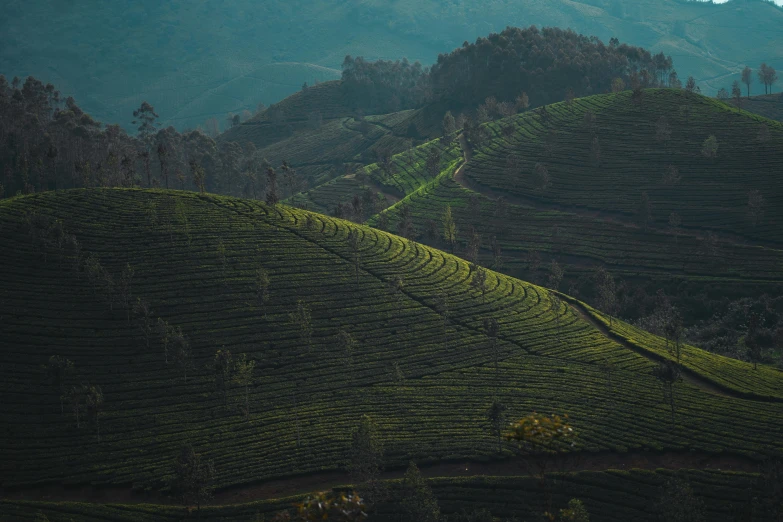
x=779 y=2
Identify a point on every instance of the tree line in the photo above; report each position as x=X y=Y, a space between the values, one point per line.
x=50 y=143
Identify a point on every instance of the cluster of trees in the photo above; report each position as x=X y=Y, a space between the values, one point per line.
x=547 y=64
x=50 y=143
x=385 y=86
x=766 y=74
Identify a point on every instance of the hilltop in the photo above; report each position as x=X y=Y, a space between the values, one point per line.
x=195 y=63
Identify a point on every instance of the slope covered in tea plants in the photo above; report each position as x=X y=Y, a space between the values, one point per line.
x=340 y=319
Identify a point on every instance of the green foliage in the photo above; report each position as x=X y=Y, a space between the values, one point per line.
x=417 y=500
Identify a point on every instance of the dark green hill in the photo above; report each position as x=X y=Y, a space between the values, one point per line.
x=192 y=63
x=769 y=105
x=422 y=364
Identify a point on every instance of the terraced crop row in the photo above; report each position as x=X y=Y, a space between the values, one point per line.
x=632 y=155
x=426 y=378
x=609 y=496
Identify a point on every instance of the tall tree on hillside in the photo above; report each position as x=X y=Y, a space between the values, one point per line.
x=354 y=244
x=94 y=405
x=736 y=94
x=497 y=418
x=418 y=502
x=449 y=228
x=405 y=227
x=644 y=212
x=668 y=374
x=301 y=319
x=690 y=85
x=59 y=370
x=607 y=293
x=222 y=367
x=556 y=274
x=433 y=162
x=479 y=281
x=709 y=148
x=747 y=78
x=473 y=246
x=261 y=286
x=243 y=376
x=162 y=153
x=272 y=194
x=365 y=462
x=193 y=477
x=449 y=124
x=145 y=117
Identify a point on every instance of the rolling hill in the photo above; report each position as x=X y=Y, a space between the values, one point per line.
x=193 y=63
x=422 y=363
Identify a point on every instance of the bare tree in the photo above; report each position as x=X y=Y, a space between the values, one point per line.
x=607 y=293
x=736 y=93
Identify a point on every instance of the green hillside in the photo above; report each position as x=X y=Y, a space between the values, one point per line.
x=769 y=105
x=591 y=212
x=611 y=496
x=195 y=62
x=428 y=379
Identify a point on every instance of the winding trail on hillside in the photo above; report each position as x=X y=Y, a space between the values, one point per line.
x=615 y=218
x=282 y=487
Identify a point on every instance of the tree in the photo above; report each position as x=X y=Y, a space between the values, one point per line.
x=347 y=344
x=709 y=148
x=243 y=376
x=143 y=315
x=736 y=93
x=663 y=131
x=491 y=330
x=522 y=102
x=679 y=504
x=272 y=195
x=193 y=477
x=162 y=153
x=575 y=512
x=607 y=293
x=673 y=328
x=222 y=368
x=59 y=370
x=354 y=243
x=668 y=374
x=124 y=289
x=418 y=501
x=755 y=206
x=751 y=339
x=94 y=404
x=556 y=274
x=449 y=124
x=723 y=94
x=474 y=246
x=405 y=227
x=165 y=334
x=541 y=179
x=690 y=85
x=433 y=162
x=496 y=415
x=262 y=288
x=618 y=85
x=365 y=462
x=747 y=78
x=449 y=228
x=198 y=174
x=145 y=118
x=671 y=175
x=182 y=357
x=302 y=321
x=645 y=211
x=76 y=396
x=497 y=254
x=479 y=281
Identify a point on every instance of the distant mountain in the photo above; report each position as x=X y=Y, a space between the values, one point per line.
x=196 y=61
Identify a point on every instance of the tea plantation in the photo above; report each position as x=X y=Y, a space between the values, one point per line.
x=420 y=360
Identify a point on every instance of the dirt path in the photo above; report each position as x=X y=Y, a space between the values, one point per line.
x=284 y=487
x=615 y=218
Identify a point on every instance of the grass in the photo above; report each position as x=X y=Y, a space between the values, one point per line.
x=428 y=385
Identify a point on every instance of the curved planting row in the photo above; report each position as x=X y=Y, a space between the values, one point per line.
x=602 y=152
x=282 y=287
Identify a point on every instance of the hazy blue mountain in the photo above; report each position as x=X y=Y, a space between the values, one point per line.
x=196 y=60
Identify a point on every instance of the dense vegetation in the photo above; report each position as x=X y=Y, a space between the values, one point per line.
x=359 y=322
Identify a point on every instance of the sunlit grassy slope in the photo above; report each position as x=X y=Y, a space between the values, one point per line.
x=422 y=365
